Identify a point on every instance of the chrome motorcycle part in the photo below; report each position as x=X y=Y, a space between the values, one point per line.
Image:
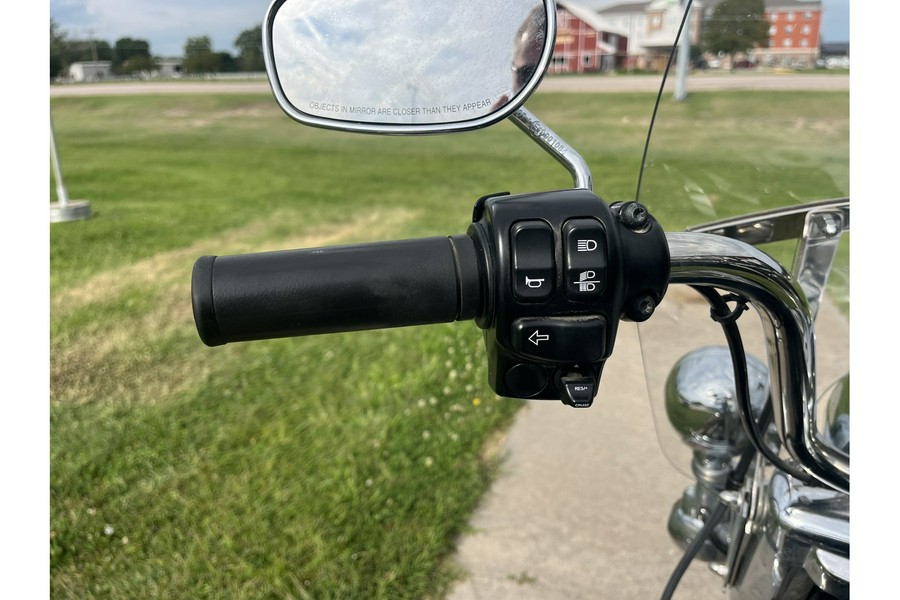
x=799 y=544
x=406 y=67
x=750 y=507
x=690 y=512
x=693 y=549
x=699 y=259
x=556 y=147
x=817 y=225
x=833 y=416
x=721 y=262
x=702 y=406
x=701 y=400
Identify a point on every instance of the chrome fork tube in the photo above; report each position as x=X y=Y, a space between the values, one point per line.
x=724 y=263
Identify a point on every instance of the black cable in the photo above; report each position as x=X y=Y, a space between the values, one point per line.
x=739 y=473
x=693 y=548
x=662 y=86
x=727 y=319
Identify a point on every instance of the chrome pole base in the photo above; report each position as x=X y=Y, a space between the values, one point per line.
x=74 y=210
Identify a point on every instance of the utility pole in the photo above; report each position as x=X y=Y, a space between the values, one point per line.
x=93 y=44
x=684 y=56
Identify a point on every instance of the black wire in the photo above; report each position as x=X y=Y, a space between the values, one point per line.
x=662 y=86
x=727 y=320
x=739 y=473
x=693 y=548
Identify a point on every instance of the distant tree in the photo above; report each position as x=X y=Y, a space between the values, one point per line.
x=57 y=45
x=736 y=26
x=249 y=45
x=197 y=46
x=199 y=56
x=226 y=63
x=86 y=50
x=137 y=65
x=131 y=52
x=101 y=49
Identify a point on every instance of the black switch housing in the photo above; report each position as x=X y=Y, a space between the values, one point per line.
x=560 y=272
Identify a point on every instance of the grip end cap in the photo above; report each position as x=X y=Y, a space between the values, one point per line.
x=202 y=302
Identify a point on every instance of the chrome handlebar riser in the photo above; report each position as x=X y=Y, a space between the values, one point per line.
x=788 y=322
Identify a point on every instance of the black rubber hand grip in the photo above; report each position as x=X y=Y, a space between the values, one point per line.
x=340 y=288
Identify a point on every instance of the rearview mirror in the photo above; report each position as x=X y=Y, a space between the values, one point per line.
x=406 y=66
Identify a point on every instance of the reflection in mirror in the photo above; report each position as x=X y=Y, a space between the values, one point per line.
x=405 y=65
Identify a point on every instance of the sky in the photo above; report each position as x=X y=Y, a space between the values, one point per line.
x=167 y=24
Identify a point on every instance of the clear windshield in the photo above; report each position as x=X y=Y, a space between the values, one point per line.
x=764 y=130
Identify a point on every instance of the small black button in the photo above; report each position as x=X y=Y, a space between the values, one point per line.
x=561 y=339
x=526 y=380
x=533 y=271
x=586 y=258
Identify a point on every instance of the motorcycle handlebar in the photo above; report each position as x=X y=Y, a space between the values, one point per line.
x=340 y=288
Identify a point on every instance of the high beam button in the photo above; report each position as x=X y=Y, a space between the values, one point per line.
x=586 y=259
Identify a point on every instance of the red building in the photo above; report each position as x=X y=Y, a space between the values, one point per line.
x=794 y=33
x=585 y=42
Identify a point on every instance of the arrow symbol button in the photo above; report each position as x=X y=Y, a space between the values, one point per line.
x=537 y=337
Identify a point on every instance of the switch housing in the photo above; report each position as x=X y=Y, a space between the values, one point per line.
x=560 y=274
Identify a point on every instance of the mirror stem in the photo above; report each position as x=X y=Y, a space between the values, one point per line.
x=547 y=139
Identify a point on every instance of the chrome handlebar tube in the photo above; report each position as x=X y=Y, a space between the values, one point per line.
x=710 y=260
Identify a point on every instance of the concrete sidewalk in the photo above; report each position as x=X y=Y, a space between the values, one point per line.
x=581 y=506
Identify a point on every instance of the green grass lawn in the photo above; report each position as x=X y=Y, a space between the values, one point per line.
x=339 y=466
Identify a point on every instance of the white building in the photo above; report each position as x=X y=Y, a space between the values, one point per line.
x=168 y=68
x=90 y=70
x=651 y=28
